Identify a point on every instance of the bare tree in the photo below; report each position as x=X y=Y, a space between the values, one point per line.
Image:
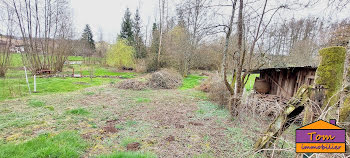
x=46 y=29
x=6 y=40
x=161 y=17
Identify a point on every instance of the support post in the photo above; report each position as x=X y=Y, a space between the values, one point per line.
x=34 y=83
x=25 y=71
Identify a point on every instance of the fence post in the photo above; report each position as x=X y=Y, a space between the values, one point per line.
x=25 y=71
x=34 y=83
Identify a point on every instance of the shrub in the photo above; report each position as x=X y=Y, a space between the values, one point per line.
x=121 y=55
x=165 y=79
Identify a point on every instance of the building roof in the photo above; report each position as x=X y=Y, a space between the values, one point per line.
x=283 y=68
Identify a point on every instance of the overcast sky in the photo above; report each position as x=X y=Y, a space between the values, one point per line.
x=106 y=15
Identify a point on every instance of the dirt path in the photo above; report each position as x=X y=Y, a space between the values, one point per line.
x=168 y=123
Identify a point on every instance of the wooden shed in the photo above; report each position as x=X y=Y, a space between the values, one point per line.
x=285 y=81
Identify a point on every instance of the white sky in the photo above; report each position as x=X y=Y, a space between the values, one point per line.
x=106 y=15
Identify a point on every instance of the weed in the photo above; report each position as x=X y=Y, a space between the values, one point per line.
x=51 y=108
x=130 y=123
x=128 y=154
x=65 y=144
x=79 y=111
x=142 y=100
x=36 y=103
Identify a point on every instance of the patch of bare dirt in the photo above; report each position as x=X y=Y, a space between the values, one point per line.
x=133 y=146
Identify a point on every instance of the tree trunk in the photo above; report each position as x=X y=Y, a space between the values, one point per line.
x=344 y=98
x=283 y=121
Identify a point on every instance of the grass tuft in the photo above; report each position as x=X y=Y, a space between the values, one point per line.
x=79 y=111
x=65 y=144
x=36 y=103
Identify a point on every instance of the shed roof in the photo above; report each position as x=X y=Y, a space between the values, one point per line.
x=283 y=68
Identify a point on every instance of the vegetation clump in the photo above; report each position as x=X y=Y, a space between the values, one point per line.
x=165 y=79
x=36 y=103
x=133 y=84
x=79 y=111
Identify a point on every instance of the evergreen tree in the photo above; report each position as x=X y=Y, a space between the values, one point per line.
x=152 y=65
x=88 y=38
x=126 y=31
x=139 y=45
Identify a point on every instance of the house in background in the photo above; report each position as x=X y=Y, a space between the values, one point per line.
x=15 y=45
x=283 y=81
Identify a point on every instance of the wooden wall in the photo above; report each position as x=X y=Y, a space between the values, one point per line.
x=286 y=82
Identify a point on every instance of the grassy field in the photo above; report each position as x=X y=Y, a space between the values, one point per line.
x=103 y=121
x=13 y=88
x=191 y=81
x=14 y=85
x=80 y=117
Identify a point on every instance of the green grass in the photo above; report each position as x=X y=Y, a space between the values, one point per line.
x=16 y=60
x=128 y=154
x=75 y=58
x=79 y=111
x=99 y=71
x=64 y=145
x=191 y=81
x=47 y=85
x=36 y=103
